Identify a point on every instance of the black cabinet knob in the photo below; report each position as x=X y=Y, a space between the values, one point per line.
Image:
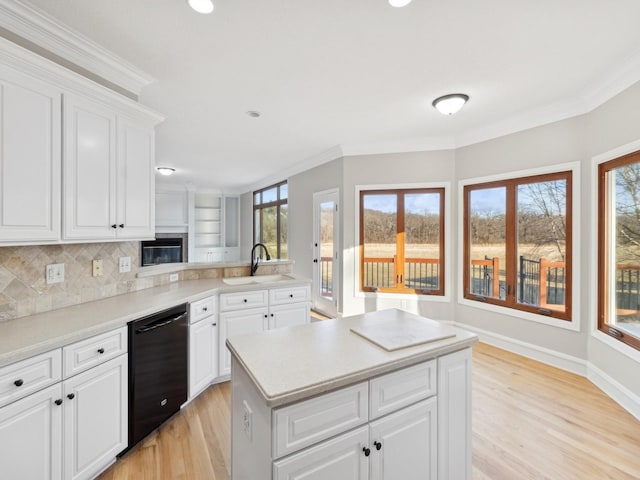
x=265 y=315
x=71 y=396
x=366 y=451
x=245 y=300
x=378 y=445
x=101 y=351
x=121 y=225
x=272 y=314
x=214 y=324
x=114 y=226
x=291 y=295
x=19 y=382
x=315 y=260
x=58 y=402
x=204 y=309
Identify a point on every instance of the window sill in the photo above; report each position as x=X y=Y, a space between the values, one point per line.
x=532 y=317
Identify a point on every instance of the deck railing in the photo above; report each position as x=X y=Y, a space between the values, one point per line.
x=419 y=273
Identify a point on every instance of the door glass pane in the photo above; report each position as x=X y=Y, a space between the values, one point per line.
x=379 y=220
x=327 y=213
x=487 y=242
x=541 y=244
x=283 y=234
x=422 y=241
x=624 y=259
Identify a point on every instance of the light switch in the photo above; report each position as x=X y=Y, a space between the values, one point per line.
x=54 y=273
x=125 y=264
x=97 y=268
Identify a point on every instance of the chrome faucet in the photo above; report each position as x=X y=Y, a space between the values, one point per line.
x=254 y=266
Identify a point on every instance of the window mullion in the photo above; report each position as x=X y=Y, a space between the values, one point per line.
x=511 y=242
x=400 y=243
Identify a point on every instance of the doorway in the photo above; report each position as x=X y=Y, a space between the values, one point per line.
x=326 y=256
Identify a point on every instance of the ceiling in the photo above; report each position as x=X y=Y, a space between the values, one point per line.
x=358 y=74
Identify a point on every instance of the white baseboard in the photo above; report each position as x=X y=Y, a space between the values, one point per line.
x=545 y=355
x=614 y=389
x=618 y=392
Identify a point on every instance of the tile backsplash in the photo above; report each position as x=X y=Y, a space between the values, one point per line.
x=24 y=290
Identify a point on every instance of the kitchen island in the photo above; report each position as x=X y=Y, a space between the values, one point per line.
x=322 y=402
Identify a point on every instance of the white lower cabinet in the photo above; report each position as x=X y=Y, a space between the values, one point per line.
x=203 y=345
x=240 y=322
x=72 y=429
x=255 y=311
x=95 y=418
x=339 y=458
x=31 y=436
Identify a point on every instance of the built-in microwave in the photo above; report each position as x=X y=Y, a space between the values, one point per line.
x=161 y=250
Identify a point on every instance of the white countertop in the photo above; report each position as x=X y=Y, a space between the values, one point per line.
x=312 y=359
x=28 y=336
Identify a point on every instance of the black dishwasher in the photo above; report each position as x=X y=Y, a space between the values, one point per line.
x=158 y=370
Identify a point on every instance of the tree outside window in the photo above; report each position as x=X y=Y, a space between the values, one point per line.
x=270 y=219
x=619 y=249
x=402 y=241
x=517 y=244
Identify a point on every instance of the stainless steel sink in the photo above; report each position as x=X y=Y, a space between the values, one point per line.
x=258 y=279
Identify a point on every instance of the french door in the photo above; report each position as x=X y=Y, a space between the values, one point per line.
x=326 y=254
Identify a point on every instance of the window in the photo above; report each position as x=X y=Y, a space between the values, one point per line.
x=402 y=241
x=270 y=219
x=517 y=244
x=619 y=248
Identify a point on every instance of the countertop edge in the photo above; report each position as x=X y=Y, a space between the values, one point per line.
x=313 y=390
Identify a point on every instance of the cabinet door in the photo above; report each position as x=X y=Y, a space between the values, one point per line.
x=454 y=415
x=31 y=437
x=203 y=354
x=30 y=159
x=339 y=458
x=239 y=323
x=289 y=315
x=89 y=170
x=403 y=444
x=95 y=418
x=136 y=184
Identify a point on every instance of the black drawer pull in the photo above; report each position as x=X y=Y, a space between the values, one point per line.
x=101 y=351
x=214 y=324
x=114 y=226
x=378 y=445
x=291 y=295
x=121 y=225
x=71 y=396
x=58 y=402
x=366 y=451
x=245 y=300
x=18 y=383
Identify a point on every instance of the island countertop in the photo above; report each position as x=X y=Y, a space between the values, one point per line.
x=291 y=364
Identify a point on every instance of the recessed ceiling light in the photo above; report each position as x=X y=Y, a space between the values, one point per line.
x=253 y=113
x=399 y=3
x=165 y=170
x=450 y=104
x=201 y=6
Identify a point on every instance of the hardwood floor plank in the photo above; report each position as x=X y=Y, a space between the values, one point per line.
x=530 y=422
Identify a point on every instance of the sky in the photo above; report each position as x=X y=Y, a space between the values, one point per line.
x=428 y=203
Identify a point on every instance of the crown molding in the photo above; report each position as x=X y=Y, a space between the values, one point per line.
x=40 y=28
x=18 y=58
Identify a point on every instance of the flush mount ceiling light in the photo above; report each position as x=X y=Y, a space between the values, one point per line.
x=201 y=6
x=450 y=104
x=399 y=3
x=253 y=113
x=165 y=170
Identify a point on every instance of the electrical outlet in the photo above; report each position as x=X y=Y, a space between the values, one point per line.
x=173 y=277
x=54 y=273
x=247 y=420
x=97 y=268
x=125 y=264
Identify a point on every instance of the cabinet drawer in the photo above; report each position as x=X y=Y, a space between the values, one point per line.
x=305 y=423
x=202 y=309
x=93 y=351
x=280 y=296
x=240 y=300
x=396 y=390
x=23 y=378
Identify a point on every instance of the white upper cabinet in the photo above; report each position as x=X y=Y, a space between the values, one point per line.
x=108 y=173
x=29 y=159
x=76 y=159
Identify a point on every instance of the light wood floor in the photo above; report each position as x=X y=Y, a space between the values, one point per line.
x=530 y=421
